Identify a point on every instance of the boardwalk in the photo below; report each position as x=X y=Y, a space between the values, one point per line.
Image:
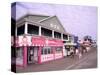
x=88 y=60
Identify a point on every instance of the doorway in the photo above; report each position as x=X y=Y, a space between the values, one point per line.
x=32 y=55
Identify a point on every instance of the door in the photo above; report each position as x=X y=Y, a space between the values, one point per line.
x=32 y=55
x=36 y=54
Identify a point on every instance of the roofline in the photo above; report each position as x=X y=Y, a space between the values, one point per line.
x=51 y=17
x=46 y=19
x=31 y=15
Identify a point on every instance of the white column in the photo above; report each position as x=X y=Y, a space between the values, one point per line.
x=16 y=31
x=61 y=36
x=39 y=30
x=52 y=33
x=26 y=28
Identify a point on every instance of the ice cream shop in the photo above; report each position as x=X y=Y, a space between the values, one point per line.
x=38 y=39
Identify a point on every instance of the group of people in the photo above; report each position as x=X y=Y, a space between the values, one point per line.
x=79 y=50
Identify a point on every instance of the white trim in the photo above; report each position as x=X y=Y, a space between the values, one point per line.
x=39 y=30
x=46 y=18
x=26 y=25
x=61 y=36
x=16 y=31
x=52 y=33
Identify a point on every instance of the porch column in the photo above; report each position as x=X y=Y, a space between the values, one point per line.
x=39 y=30
x=25 y=56
x=68 y=38
x=52 y=33
x=39 y=54
x=61 y=36
x=26 y=28
x=16 y=31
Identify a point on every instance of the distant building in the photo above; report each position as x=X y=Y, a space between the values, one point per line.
x=70 y=45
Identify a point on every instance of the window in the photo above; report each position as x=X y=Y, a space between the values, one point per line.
x=65 y=37
x=19 y=52
x=58 y=49
x=46 y=50
x=33 y=29
x=20 y=30
x=46 y=32
x=57 y=35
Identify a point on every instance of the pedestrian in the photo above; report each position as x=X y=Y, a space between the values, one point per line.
x=80 y=52
x=72 y=52
x=76 y=51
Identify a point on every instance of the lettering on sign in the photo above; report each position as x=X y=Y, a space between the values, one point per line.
x=54 y=26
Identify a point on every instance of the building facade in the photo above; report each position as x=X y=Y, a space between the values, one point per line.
x=39 y=39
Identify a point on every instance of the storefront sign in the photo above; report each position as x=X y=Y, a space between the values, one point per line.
x=37 y=41
x=54 y=26
x=23 y=41
x=55 y=43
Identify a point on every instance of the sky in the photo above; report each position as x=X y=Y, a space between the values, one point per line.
x=77 y=20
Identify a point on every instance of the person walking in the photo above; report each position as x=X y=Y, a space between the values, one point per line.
x=80 y=52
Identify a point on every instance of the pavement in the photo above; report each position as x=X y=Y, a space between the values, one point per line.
x=88 y=60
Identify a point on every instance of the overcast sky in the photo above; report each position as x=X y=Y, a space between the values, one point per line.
x=77 y=20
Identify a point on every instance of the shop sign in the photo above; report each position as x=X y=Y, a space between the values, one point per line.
x=24 y=40
x=55 y=43
x=54 y=26
x=38 y=41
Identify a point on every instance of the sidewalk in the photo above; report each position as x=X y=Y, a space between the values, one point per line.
x=60 y=64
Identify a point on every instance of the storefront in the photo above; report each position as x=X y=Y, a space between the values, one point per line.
x=70 y=48
x=36 y=49
x=39 y=40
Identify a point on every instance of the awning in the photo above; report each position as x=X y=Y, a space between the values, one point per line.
x=37 y=41
x=71 y=44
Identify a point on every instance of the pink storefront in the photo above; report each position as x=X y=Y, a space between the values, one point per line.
x=37 y=49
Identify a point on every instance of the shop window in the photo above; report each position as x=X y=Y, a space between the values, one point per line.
x=42 y=51
x=33 y=29
x=46 y=32
x=46 y=50
x=57 y=35
x=58 y=49
x=49 y=51
x=20 y=30
x=19 y=52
